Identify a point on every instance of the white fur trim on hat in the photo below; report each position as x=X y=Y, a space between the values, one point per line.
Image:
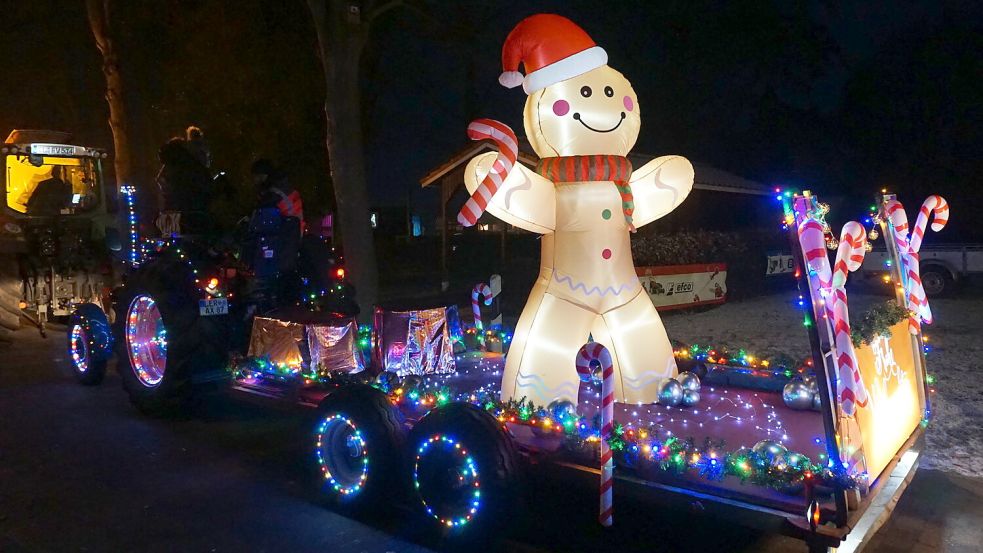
x=510 y=79
x=567 y=68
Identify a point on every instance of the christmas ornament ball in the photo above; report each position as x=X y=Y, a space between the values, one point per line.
x=388 y=380
x=797 y=395
x=810 y=381
x=689 y=381
x=411 y=382
x=670 y=392
x=562 y=409
x=817 y=402
x=690 y=398
x=773 y=452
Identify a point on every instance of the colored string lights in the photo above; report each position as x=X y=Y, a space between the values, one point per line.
x=129 y=193
x=146 y=341
x=339 y=446
x=468 y=484
x=79 y=346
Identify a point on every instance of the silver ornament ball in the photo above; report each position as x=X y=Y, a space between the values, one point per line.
x=690 y=398
x=670 y=392
x=411 y=382
x=810 y=381
x=689 y=381
x=562 y=409
x=817 y=402
x=774 y=453
x=797 y=395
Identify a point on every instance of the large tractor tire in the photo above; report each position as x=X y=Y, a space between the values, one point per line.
x=162 y=340
x=465 y=474
x=359 y=444
x=90 y=343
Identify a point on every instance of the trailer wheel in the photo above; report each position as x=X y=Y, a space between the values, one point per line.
x=464 y=473
x=163 y=341
x=358 y=446
x=90 y=343
x=937 y=281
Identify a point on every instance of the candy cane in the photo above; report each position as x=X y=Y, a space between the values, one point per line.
x=910 y=271
x=850 y=388
x=594 y=351
x=937 y=206
x=480 y=289
x=508 y=152
x=849 y=257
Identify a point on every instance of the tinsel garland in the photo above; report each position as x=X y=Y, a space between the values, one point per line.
x=877 y=321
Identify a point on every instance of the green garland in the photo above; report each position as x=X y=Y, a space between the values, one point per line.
x=877 y=321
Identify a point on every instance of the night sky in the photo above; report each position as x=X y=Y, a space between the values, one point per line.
x=843 y=98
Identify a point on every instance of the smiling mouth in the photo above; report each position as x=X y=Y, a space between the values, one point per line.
x=577 y=117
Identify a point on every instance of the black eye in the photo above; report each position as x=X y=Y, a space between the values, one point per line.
x=608 y=91
x=585 y=92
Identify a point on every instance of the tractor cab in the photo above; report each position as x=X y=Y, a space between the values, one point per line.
x=44 y=176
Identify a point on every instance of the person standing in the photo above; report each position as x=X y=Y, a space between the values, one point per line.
x=273 y=190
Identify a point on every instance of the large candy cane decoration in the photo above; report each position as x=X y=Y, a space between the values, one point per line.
x=849 y=387
x=937 y=206
x=594 y=351
x=908 y=248
x=480 y=290
x=849 y=257
x=508 y=151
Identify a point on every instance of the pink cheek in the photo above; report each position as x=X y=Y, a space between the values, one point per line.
x=629 y=105
x=561 y=107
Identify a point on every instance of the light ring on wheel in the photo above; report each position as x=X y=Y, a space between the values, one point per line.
x=341 y=454
x=78 y=345
x=451 y=490
x=146 y=341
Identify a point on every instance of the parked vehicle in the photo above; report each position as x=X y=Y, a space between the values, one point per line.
x=944 y=267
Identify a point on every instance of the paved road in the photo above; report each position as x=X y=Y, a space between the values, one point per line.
x=81 y=470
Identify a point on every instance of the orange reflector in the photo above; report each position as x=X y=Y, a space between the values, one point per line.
x=340 y=272
x=213 y=283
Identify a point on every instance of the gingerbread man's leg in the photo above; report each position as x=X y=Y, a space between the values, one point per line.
x=640 y=347
x=541 y=364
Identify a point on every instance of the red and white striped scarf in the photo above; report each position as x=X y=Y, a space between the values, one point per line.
x=599 y=168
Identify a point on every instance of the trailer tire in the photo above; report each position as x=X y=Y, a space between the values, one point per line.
x=90 y=343
x=465 y=474
x=162 y=293
x=359 y=444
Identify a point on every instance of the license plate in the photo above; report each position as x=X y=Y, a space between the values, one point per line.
x=215 y=306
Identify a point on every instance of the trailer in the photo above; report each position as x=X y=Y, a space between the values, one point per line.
x=818 y=450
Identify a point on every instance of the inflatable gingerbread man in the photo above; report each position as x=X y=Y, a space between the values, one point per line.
x=582 y=119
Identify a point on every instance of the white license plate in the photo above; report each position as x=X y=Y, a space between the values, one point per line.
x=214 y=306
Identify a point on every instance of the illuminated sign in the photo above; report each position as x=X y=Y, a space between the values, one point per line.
x=889 y=371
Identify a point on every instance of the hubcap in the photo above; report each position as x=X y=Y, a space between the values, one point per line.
x=341 y=454
x=146 y=341
x=79 y=348
x=933 y=283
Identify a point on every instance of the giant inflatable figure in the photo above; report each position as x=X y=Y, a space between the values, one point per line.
x=582 y=119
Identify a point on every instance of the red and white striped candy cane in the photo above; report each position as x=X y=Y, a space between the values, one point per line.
x=911 y=273
x=479 y=290
x=850 y=255
x=937 y=206
x=508 y=151
x=594 y=351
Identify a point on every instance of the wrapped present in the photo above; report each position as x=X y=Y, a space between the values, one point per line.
x=333 y=347
x=414 y=342
x=280 y=341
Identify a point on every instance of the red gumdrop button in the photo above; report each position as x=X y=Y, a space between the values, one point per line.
x=561 y=107
x=606 y=254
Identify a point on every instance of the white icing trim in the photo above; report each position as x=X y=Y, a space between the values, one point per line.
x=567 y=68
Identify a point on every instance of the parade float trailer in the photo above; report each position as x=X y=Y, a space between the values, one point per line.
x=818 y=449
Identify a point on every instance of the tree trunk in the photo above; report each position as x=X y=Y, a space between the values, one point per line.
x=342 y=29
x=98 y=11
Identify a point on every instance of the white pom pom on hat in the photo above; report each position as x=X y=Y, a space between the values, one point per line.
x=551 y=48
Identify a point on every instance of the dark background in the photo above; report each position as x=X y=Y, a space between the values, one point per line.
x=840 y=97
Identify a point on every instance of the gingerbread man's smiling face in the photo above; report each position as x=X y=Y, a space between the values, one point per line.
x=592 y=114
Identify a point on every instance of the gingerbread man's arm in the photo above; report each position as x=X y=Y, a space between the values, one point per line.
x=525 y=199
x=659 y=186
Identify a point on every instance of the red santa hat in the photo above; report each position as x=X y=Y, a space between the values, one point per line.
x=551 y=48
